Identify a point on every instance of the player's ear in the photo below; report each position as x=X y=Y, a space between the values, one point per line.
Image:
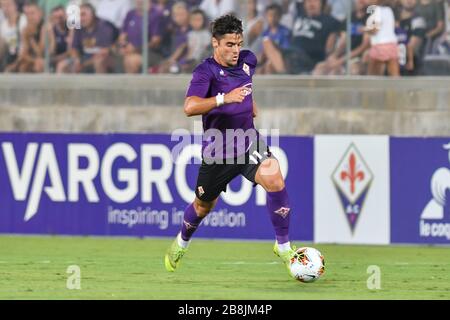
x=215 y=43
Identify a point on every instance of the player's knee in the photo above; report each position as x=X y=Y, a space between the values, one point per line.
x=202 y=209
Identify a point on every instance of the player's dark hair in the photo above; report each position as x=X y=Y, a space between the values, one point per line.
x=224 y=25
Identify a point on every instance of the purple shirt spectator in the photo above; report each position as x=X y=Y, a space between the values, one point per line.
x=88 y=43
x=132 y=26
x=163 y=12
x=281 y=37
x=179 y=37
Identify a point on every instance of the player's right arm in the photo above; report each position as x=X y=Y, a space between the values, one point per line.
x=197 y=101
x=194 y=105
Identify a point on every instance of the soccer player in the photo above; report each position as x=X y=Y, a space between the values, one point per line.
x=221 y=92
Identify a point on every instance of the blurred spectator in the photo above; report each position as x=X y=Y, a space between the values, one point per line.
x=193 y=3
x=21 y=4
x=91 y=45
x=217 y=8
x=288 y=10
x=360 y=42
x=253 y=27
x=59 y=37
x=31 y=54
x=434 y=14
x=130 y=40
x=443 y=45
x=113 y=11
x=179 y=34
x=288 y=16
x=199 y=41
x=384 y=49
x=275 y=35
x=164 y=9
x=339 y=8
x=313 y=39
x=2 y=16
x=10 y=30
x=411 y=33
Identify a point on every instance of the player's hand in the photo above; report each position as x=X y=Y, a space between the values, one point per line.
x=236 y=96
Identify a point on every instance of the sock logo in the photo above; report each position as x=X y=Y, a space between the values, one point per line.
x=283 y=211
x=189 y=226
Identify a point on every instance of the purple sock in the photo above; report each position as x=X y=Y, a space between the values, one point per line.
x=190 y=223
x=278 y=206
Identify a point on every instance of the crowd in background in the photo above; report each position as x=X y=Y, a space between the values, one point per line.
x=288 y=36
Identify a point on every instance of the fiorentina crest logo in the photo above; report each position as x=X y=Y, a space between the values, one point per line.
x=246 y=69
x=352 y=178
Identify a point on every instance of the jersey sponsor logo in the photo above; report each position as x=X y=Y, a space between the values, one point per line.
x=435 y=209
x=352 y=179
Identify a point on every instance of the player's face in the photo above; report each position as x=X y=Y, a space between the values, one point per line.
x=227 y=48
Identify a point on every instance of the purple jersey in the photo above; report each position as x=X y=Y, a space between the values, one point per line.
x=211 y=78
x=89 y=42
x=133 y=26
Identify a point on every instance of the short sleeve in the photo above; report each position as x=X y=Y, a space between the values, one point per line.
x=199 y=86
x=126 y=22
x=249 y=58
x=334 y=25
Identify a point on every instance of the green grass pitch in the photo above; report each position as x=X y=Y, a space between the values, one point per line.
x=128 y=268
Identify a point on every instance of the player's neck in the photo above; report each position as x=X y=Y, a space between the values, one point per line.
x=219 y=61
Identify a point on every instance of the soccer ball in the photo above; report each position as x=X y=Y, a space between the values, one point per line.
x=307 y=264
